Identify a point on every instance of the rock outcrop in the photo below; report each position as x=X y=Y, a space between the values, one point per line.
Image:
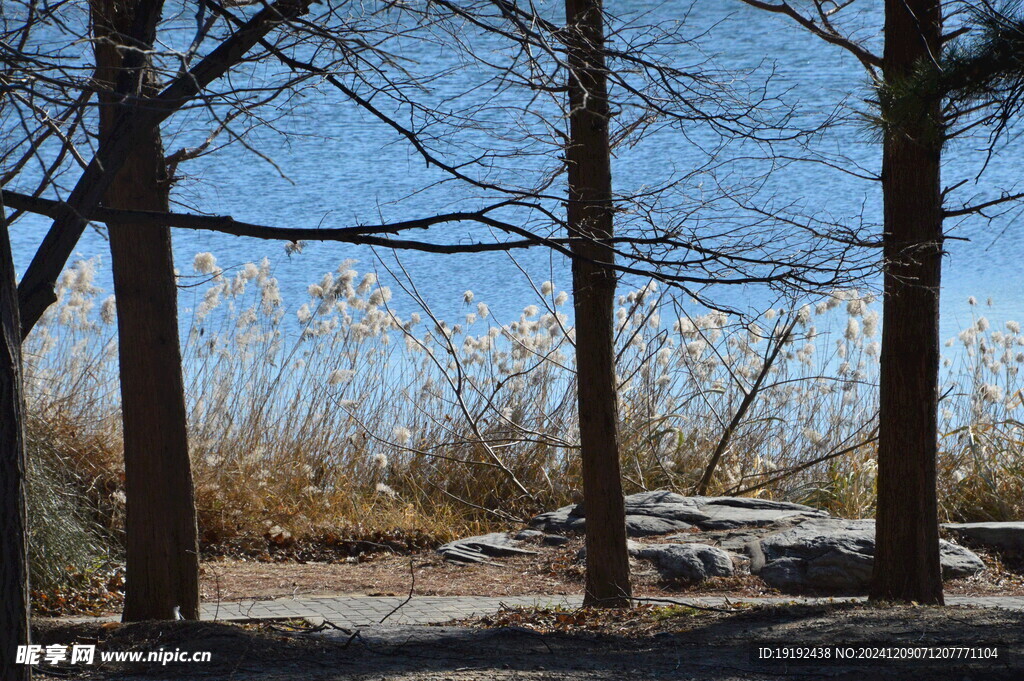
x=836 y=555
x=687 y=562
x=1007 y=536
x=660 y=512
x=792 y=547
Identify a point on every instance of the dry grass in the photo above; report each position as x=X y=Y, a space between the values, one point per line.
x=344 y=417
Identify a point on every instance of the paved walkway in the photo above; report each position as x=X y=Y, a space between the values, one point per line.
x=362 y=611
x=357 y=611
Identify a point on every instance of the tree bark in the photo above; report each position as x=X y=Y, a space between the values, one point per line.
x=590 y=219
x=906 y=564
x=14 y=588
x=162 y=560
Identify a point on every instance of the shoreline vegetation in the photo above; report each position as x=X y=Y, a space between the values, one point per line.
x=357 y=421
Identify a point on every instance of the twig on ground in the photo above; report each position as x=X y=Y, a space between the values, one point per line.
x=412 y=589
x=672 y=601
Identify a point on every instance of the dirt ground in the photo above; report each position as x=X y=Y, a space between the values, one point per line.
x=554 y=570
x=663 y=644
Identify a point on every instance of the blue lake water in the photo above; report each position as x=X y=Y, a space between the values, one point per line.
x=344 y=168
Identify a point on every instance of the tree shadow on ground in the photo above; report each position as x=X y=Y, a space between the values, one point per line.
x=706 y=646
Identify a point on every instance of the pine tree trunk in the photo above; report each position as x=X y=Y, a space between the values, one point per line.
x=590 y=220
x=14 y=592
x=162 y=545
x=906 y=566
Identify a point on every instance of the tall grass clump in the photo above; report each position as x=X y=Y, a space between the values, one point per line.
x=65 y=543
x=341 y=412
x=71 y=439
x=981 y=434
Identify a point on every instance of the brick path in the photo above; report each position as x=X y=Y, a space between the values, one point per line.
x=358 y=611
x=363 y=611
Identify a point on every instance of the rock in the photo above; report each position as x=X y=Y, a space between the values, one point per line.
x=527 y=535
x=958 y=561
x=840 y=570
x=828 y=554
x=1005 y=536
x=661 y=512
x=725 y=513
x=836 y=555
x=561 y=521
x=784 y=573
x=546 y=539
x=646 y=525
x=816 y=537
x=478 y=549
x=689 y=562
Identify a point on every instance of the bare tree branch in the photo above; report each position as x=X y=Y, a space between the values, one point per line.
x=35 y=292
x=821 y=28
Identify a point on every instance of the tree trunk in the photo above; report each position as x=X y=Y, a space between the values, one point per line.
x=906 y=565
x=162 y=540
x=590 y=221
x=14 y=593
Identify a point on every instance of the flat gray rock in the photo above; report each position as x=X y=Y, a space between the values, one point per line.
x=647 y=525
x=546 y=539
x=661 y=512
x=478 y=549
x=1008 y=536
x=689 y=562
x=831 y=554
x=958 y=561
x=561 y=521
